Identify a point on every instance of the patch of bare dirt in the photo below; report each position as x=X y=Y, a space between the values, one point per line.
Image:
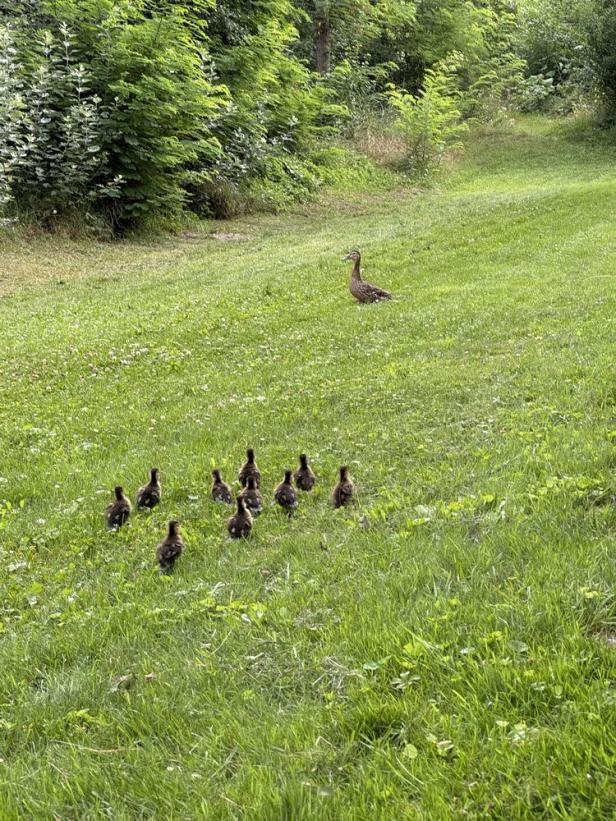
x=229 y=236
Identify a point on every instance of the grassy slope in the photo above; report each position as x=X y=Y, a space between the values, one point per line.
x=447 y=655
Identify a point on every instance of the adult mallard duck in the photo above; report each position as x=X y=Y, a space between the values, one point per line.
x=363 y=291
x=303 y=476
x=252 y=497
x=170 y=549
x=285 y=494
x=149 y=495
x=249 y=468
x=221 y=492
x=118 y=511
x=240 y=524
x=344 y=489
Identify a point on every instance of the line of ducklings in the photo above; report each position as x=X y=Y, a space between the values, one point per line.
x=249 y=502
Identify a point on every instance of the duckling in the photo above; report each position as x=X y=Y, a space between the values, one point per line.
x=250 y=469
x=363 y=291
x=252 y=497
x=149 y=495
x=304 y=477
x=240 y=524
x=170 y=549
x=118 y=512
x=221 y=492
x=285 y=494
x=344 y=489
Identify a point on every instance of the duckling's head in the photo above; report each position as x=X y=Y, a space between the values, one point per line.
x=287 y=477
x=154 y=475
x=344 y=473
x=216 y=475
x=353 y=256
x=303 y=460
x=252 y=485
x=250 y=455
x=119 y=492
x=241 y=507
x=174 y=529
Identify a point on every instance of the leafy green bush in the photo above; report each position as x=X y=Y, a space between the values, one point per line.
x=12 y=130
x=533 y=93
x=602 y=45
x=161 y=105
x=51 y=131
x=430 y=121
x=552 y=38
x=360 y=89
x=122 y=133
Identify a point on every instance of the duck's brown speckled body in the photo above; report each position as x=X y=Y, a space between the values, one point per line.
x=285 y=494
x=344 y=489
x=252 y=497
x=170 y=549
x=119 y=510
x=240 y=524
x=249 y=468
x=221 y=492
x=149 y=495
x=303 y=476
x=361 y=290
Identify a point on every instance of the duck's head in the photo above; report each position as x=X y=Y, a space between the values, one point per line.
x=353 y=256
x=216 y=475
x=287 y=477
x=174 y=529
x=344 y=473
x=303 y=460
x=119 y=492
x=252 y=485
x=250 y=455
x=154 y=475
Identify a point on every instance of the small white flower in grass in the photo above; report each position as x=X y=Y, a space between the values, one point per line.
x=41 y=521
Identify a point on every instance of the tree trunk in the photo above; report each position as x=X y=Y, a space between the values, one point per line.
x=323 y=44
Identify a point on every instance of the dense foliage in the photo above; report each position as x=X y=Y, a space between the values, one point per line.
x=552 y=38
x=128 y=110
x=602 y=44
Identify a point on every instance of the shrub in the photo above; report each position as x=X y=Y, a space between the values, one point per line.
x=12 y=115
x=534 y=93
x=51 y=127
x=153 y=82
x=124 y=133
x=430 y=122
x=603 y=52
x=360 y=89
x=552 y=38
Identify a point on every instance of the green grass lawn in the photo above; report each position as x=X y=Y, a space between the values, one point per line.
x=452 y=652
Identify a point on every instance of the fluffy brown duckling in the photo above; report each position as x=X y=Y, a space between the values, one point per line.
x=221 y=492
x=361 y=290
x=252 y=497
x=303 y=476
x=149 y=495
x=285 y=494
x=344 y=489
x=240 y=524
x=249 y=468
x=170 y=549
x=118 y=511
